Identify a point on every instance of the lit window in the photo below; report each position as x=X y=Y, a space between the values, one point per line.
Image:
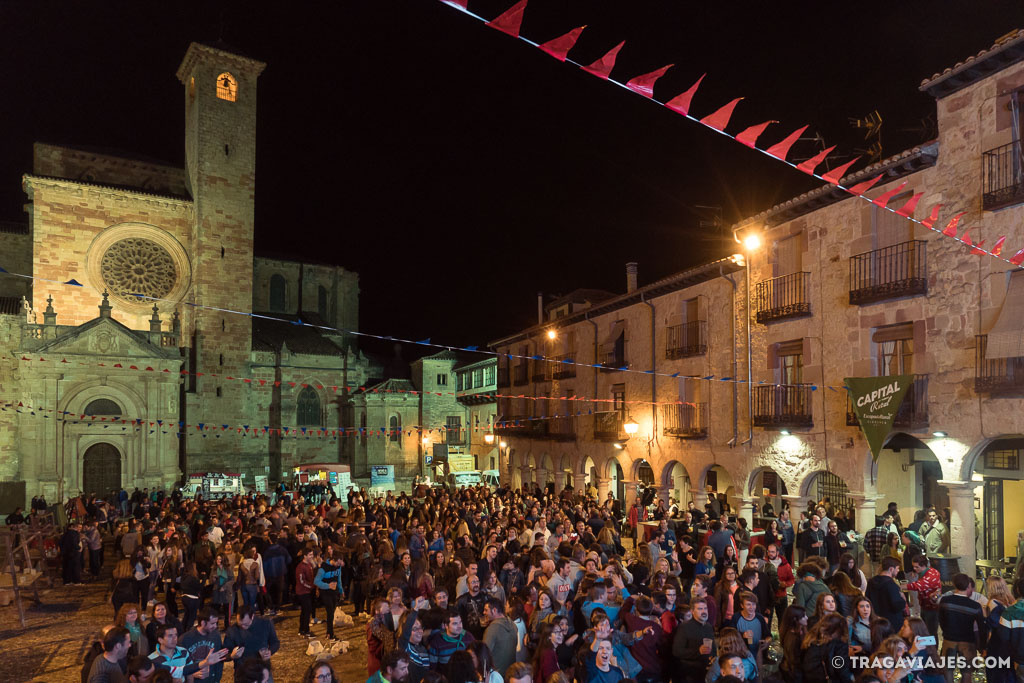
x=395 y=429
x=227 y=87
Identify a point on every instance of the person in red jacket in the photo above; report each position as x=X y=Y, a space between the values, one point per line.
x=304 y=590
x=929 y=589
x=784 y=572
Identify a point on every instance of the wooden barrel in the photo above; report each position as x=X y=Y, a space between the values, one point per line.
x=947 y=566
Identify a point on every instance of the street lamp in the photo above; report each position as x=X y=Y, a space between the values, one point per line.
x=552 y=334
x=630 y=427
x=489 y=439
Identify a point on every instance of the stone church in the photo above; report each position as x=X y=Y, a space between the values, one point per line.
x=106 y=378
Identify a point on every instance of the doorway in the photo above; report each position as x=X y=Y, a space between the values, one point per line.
x=101 y=469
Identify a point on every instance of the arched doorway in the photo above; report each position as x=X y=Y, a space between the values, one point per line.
x=997 y=476
x=828 y=489
x=767 y=487
x=908 y=474
x=101 y=469
x=677 y=479
x=718 y=484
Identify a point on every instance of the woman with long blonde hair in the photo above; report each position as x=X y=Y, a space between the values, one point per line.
x=997 y=591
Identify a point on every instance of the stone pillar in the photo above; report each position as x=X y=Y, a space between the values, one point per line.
x=602 y=484
x=559 y=481
x=541 y=477
x=700 y=498
x=746 y=511
x=866 y=511
x=961 y=523
x=797 y=504
x=629 y=488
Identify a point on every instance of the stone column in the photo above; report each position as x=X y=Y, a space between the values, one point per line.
x=700 y=498
x=559 y=481
x=797 y=504
x=629 y=488
x=602 y=484
x=541 y=477
x=746 y=511
x=961 y=523
x=866 y=510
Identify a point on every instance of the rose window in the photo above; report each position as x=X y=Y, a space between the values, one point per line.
x=138 y=266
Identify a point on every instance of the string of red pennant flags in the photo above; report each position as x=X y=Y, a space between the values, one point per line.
x=206 y=429
x=510 y=21
x=271 y=384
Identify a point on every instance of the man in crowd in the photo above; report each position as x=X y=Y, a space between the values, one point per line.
x=876 y=541
x=885 y=595
x=934 y=534
x=812 y=540
x=205 y=639
x=693 y=645
x=71 y=554
x=964 y=628
x=253 y=636
x=447 y=640
x=928 y=587
x=110 y=666
x=501 y=635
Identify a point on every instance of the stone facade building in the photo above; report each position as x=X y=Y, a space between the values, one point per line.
x=436 y=413
x=120 y=226
x=838 y=288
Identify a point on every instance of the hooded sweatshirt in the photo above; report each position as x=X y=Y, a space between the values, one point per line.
x=501 y=637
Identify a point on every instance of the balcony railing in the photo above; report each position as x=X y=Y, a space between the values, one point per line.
x=890 y=272
x=503 y=377
x=542 y=371
x=1003 y=176
x=912 y=412
x=686 y=421
x=519 y=374
x=608 y=425
x=783 y=297
x=453 y=437
x=611 y=357
x=997 y=376
x=561 y=429
x=783 y=405
x=563 y=368
x=686 y=340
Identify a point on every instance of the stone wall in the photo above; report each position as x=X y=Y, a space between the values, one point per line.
x=16 y=251
x=104 y=168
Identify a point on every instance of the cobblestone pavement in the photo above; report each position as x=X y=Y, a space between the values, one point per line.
x=60 y=631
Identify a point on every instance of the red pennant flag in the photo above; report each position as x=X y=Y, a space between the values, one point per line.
x=681 y=103
x=602 y=68
x=978 y=249
x=861 y=188
x=459 y=4
x=930 y=221
x=838 y=172
x=511 y=20
x=883 y=199
x=997 y=248
x=908 y=208
x=950 y=230
x=813 y=163
x=781 y=149
x=644 y=84
x=720 y=119
x=559 y=47
x=750 y=135
x=1017 y=258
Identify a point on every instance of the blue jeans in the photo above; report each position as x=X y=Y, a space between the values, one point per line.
x=249 y=593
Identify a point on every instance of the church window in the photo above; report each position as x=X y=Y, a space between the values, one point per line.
x=308 y=407
x=277 y=293
x=102 y=406
x=227 y=87
x=222 y=359
x=395 y=429
x=442 y=380
x=227 y=150
x=219 y=394
x=321 y=301
x=136 y=265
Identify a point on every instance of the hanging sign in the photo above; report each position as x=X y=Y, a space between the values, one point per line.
x=875 y=402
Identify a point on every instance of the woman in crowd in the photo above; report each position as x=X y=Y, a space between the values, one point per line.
x=825 y=604
x=725 y=592
x=860 y=627
x=191 y=594
x=159 y=616
x=705 y=562
x=128 y=617
x=825 y=655
x=845 y=593
x=222 y=586
x=125 y=589
x=730 y=642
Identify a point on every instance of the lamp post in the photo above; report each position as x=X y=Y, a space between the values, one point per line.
x=750 y=238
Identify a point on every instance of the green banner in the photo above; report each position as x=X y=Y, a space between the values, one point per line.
x=875 y=401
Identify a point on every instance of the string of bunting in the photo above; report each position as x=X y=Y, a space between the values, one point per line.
x=205 y=429
x=510 y=21
x=271 y=384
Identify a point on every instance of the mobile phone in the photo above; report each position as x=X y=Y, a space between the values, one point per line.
x=925 y=640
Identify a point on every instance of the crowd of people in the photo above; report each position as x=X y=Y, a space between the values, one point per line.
x=481 y=586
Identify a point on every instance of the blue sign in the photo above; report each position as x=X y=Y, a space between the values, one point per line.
x=429 y=459
x=382 y=475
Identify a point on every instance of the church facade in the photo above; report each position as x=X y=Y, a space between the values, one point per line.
x=150 y=341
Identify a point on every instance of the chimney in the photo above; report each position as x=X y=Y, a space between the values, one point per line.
x=540 y=308
x=630 y=277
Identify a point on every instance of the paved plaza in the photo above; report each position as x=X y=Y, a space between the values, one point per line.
x=60 y=631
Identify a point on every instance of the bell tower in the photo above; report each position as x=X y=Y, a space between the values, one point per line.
x=220 y=164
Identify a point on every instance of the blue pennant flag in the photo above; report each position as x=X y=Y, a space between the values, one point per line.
x=73 y=282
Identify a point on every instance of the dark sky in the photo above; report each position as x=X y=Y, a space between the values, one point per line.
x=460 y=171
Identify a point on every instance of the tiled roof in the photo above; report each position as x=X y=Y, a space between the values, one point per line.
x=269 y=335
x=1007 y=50
x=29 y=177
x=579 y=296
x=393 y=386
x=894 y=167
x=10 y=305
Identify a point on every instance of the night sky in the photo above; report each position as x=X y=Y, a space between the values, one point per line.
x=460 y=171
